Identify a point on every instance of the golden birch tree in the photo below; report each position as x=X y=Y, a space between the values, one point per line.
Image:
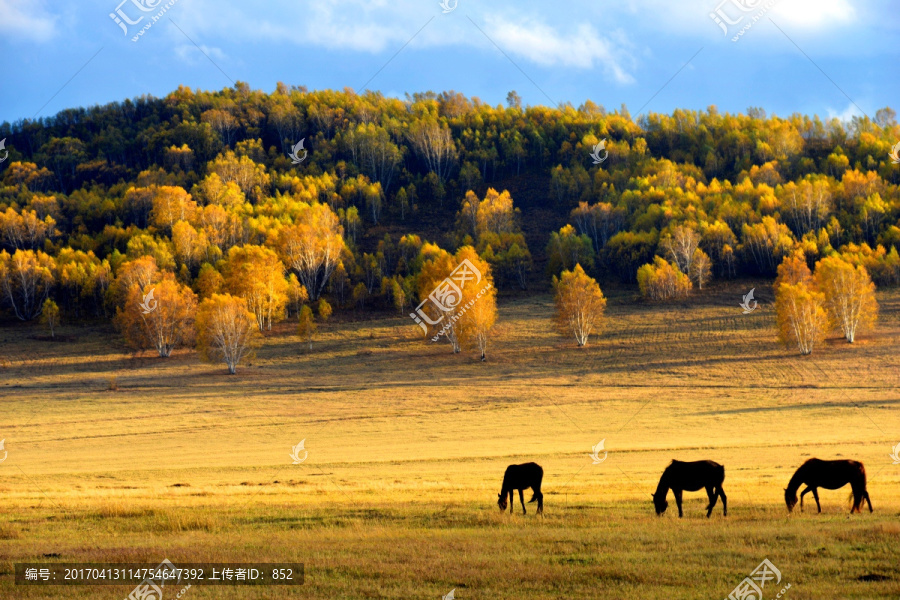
x=26 y=277
x=799 y=305
x=159 y=315
x=312 y=246
x=580 y=304
x=226 y=330
x=849 y=295
x=256 y=274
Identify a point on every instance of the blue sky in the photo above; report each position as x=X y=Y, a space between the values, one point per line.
x=611 y=52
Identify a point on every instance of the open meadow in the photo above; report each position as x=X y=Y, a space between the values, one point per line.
x=118 y=457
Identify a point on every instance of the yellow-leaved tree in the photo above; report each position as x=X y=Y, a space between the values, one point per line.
x=306 y=325
x=50 y=316
x=799 y=305
x=662 y=280
x=159 y=315
x=226 y=330
x=457 y=285
x=26 y=277
x=580 y=304
x=849 y=295
x=479 y=306
x=312 y=245
x=256 y=274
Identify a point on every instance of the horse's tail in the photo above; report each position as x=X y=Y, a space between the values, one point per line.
x=533 y=497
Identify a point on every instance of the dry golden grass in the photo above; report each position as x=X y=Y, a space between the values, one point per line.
x=408 y=442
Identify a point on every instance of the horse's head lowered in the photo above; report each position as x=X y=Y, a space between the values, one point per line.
x=790 y=498
x=660 y=503
x=501 y=501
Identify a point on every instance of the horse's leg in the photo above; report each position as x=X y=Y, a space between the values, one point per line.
x=511 y=500
x=724 y=502
x=522 y=500
x=868 y=501
x=803 y=493
x=677 y=494
x=712 y=500
x=815 y=492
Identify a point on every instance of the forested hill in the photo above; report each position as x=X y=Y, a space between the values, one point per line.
x=376 y=182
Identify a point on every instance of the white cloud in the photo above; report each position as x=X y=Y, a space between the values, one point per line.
x=377 y=26
x=846 y=114
x=27 y=19
x=189 y=53
x=692 y=17
x=543 y=45
x=352 y=27
x=814 y=14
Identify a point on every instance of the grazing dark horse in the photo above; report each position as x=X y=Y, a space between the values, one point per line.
x=691 y=476
x=521 y=477
x=831 y=475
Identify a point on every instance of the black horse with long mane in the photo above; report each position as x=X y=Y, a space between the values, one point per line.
x=521 y=477
x=691 y=476
x=831 y=475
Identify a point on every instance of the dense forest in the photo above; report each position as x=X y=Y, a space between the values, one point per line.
x=210 y=192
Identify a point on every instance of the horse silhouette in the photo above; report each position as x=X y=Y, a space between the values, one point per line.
x=831 y=475
x=691 y=476
x=521 y=477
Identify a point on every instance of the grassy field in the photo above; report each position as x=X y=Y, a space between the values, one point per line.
x=408 y=443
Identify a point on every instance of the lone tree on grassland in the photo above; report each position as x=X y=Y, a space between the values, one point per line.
x=307 y=327
x=50 y=316
x=160 y=315
x=226 y=331
x=462 y=325
x=799 y=305
x=580 y=304
x=479 y=319
x=849 y=295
